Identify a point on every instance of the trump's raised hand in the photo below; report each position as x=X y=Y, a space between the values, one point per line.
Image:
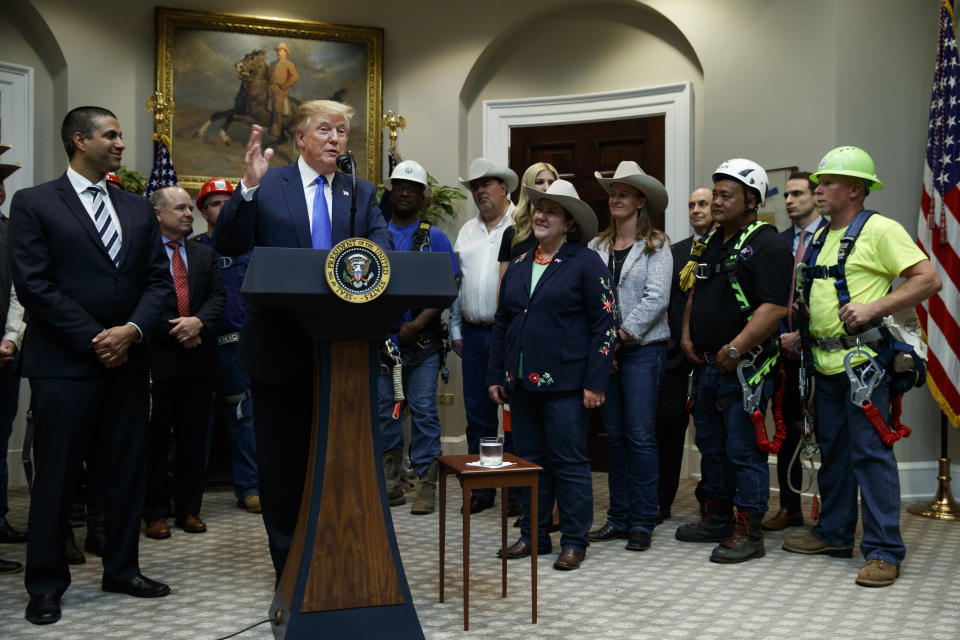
x=257 y=160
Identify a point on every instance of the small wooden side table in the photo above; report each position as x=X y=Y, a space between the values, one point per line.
x=520 y=474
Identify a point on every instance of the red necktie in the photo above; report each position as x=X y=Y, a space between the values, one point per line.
x=180 y=282
x=797 y=258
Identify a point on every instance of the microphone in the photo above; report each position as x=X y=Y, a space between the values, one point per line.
x=345 y=163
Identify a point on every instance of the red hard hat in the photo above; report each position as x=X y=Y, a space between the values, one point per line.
x=114 y=178
x=211 y=187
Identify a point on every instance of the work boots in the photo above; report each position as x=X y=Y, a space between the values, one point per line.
x=392 y=469
x=746 y=541
x=426 y=491
x=715 y=525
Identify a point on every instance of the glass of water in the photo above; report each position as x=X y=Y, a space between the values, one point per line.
x=491 y=451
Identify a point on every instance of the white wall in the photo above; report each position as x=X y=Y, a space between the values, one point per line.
x=777 y=81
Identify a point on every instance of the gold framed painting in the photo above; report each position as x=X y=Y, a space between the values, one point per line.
x=227 y=72
x=774 y=209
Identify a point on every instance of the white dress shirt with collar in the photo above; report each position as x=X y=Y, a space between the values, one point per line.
x=477 y=249
x=80 y=185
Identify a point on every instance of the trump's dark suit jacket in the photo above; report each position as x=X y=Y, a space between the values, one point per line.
x=565 y=331
x=70 y=286
x=273 y=347
x=208 y=297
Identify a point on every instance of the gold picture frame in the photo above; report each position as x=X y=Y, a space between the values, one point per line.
x=774 y=209
x=218 y=69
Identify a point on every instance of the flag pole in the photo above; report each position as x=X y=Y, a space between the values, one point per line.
x=943 y=506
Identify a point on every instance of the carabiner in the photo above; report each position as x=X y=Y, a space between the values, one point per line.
x=862 y=384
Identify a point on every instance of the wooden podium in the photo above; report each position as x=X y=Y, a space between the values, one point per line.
x=344 y=577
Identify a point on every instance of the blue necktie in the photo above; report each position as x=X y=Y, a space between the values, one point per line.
x=320 y=233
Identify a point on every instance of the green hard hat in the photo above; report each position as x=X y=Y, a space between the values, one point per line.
x=849 y=161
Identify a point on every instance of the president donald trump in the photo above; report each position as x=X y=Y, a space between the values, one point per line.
x=305 y=204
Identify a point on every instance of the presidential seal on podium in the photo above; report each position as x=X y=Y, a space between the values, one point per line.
x=357 y=270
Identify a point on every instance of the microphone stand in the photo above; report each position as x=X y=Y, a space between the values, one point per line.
x=347 y=164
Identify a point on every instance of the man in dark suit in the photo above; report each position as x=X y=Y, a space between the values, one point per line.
x=672 y=416
x=90 y=271
x=184 y=365
x=304 y=204
x=803 y=213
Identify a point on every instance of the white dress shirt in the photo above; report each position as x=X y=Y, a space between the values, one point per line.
x=80 y=185
x=477 y=250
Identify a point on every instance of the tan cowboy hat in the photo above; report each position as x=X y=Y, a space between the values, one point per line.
x=7 y=169
x=283 y=45
x=565 y=194
x=629 y=172
x=483 y=168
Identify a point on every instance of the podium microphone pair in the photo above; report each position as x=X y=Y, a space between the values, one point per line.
x=347 y=165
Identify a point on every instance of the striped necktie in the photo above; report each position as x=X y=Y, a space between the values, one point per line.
x=104 y=224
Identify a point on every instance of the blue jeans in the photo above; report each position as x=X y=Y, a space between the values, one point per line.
x=629 y=414
x=550 y=430
x=853 y=455
x=734 y=468
x=420 y=389
x=239 y=422
x=9 y=396
x=482 y=413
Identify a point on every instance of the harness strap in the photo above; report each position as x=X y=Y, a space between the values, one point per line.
x=421 y=237
x=760 y=425
x=687 y=277
x=730 y=266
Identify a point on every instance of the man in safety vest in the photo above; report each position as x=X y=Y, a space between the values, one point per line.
x=843 y=320
x=740 y=294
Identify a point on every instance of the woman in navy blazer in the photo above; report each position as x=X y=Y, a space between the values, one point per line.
x=551 y=352
x=642 y=265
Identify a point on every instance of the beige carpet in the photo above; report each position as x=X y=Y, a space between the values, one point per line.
x=222 y=581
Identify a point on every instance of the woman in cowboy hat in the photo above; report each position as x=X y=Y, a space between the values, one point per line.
x=639 y=258
x=550 y=354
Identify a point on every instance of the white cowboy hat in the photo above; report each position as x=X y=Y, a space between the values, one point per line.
x=565 y=194
x=4 y=147
x=483 y=168
x=629 y=172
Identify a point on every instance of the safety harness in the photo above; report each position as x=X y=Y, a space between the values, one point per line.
x=758 y=363
x=865 y=376
x=421 y=242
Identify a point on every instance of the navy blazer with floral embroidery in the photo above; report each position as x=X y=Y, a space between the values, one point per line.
x=566 y=330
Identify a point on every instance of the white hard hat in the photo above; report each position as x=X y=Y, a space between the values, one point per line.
x=409 y=170
x=746 y=172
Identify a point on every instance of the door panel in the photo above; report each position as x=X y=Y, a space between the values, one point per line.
x=577 y=150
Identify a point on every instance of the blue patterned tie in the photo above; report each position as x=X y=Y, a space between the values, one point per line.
x=104 y=223
x=320 y=233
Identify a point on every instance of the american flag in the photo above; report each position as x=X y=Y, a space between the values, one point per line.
x=162 y=175
x=938 y=233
